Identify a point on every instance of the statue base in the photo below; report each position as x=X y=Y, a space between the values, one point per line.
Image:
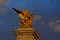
x=26 y=34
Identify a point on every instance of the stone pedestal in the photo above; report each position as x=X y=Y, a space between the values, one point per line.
x=26 y=34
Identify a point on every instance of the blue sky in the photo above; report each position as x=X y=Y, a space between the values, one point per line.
x=47 y=22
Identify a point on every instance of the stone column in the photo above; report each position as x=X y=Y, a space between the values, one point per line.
x=26 y=34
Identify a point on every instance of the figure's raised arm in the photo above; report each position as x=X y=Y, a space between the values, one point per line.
x=17 y=10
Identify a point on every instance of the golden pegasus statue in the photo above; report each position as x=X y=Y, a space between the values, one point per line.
x=26 y=19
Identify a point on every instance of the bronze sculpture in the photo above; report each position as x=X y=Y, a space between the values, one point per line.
x=26 y=19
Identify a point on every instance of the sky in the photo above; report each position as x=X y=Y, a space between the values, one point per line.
x=47 y=21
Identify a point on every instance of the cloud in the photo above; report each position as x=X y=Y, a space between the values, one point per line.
x=37 y=20
x=3 y=10
x=37 y=17
x=2 y=6
x=3 y=1
x=54 y=25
